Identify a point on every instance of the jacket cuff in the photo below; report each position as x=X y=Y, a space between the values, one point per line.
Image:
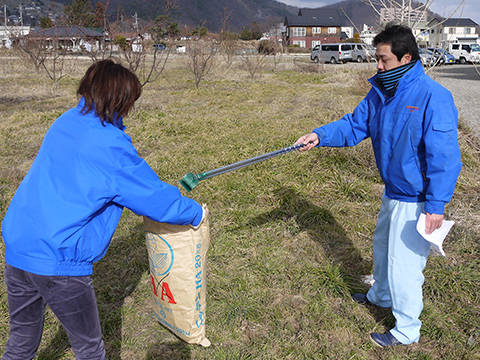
x=435 y=207
x=197 y=220
x=321 y=136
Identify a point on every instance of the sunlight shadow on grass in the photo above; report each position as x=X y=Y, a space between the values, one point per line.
x=322 y=228
x=169 y=351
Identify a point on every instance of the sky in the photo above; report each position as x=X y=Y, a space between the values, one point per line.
x=471 y=8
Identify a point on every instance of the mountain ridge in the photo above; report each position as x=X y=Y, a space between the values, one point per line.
x=208 y=13
x=211 y=13
x=243 y=13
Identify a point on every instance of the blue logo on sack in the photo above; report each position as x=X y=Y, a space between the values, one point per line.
x=161 y=260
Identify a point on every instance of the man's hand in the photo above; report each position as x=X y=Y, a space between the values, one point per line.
x=310 y=141
x=433 y=222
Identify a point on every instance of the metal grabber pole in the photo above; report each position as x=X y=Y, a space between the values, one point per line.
x=190 y=180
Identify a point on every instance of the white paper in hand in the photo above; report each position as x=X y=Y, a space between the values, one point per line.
x=435 y=238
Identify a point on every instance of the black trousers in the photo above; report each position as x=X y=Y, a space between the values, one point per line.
x=72 y=300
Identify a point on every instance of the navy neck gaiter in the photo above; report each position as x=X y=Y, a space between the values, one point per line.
x=390 y=78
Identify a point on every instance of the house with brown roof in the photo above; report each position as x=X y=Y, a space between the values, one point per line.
x=313 y=27
x=71 y=38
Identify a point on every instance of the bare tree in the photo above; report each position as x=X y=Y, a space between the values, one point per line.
x=145 y=46
x=404 y=12
x=48 y=52
x=201 y=57
x=102 y=51
x=128 y=40
x=228 y=39
x=153 y=70
x=163 y=47
x=134 y=52
x=253 y=59
x=229 y=48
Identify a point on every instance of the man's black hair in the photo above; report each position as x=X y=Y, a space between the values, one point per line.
x=400 y=38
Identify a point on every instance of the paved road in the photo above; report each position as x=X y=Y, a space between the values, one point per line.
x=464 y=83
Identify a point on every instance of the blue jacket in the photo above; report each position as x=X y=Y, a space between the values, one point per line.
x=414 y=138
x=65 y=211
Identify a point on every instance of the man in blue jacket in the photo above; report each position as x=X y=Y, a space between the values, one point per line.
x=412 y=123
x=64 y=213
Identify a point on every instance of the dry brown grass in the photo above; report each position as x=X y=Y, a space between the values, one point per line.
x=290 y=237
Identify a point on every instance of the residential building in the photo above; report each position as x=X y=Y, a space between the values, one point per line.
x=312 y=27
x=421 y=33
x=452 y=30
x=348 y=31
x=367 y=34
x=275 y=33
x=9 y=33
x=405 y=14
x=135 y=40
x=72 y=38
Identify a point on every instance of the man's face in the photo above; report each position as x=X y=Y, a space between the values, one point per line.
x=387 y=60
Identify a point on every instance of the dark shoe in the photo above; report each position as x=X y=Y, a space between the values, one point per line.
x=384 y=340
x=361 y=299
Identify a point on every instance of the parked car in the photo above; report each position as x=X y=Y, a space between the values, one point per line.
x=427 y=57
x=354 y=52
x=438 y=59
x=465 y=53
x=332 y=53
x=445 y=56
x=359 y=53
x=371 y=52
x=159 y=47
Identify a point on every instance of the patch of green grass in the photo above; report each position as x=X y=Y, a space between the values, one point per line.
x=290 y=236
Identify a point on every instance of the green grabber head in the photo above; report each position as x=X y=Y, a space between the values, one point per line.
x=190 y=180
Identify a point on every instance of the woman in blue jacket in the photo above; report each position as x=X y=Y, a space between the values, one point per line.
x=412 y=123
x=65 y=211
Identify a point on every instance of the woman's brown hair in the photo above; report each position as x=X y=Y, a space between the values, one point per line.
x=110 y=90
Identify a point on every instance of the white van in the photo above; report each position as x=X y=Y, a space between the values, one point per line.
x=464 y=53
x=339 y=52
x=331 y=53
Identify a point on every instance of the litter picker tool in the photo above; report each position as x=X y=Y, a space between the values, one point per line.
x=190 y=180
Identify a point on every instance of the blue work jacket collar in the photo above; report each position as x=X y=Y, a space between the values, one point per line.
x=118 y=124
x=410 y=76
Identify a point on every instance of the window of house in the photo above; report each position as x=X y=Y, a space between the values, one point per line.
x=299 y=31
x=467 y=31
x=452 y=30
x=315 y=43
x=332 y=30
x=300 y=43
x=316 y=30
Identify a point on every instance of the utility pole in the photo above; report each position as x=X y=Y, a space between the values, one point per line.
x=20 y=9
x=135 y=24
x=5 y=16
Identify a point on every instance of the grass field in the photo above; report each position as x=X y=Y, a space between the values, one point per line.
x=291 y=237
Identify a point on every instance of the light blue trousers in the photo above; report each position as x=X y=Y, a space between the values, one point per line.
x=399 y=256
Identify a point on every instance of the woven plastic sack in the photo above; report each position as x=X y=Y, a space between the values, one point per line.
x=177 y=256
